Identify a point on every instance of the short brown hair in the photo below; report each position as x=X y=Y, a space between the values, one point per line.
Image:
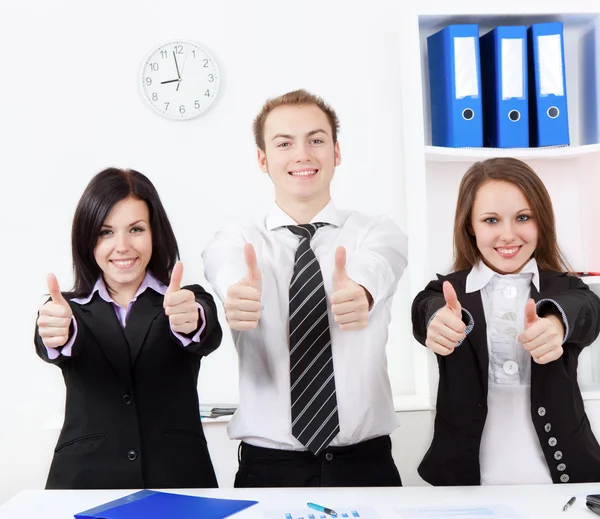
x=294 y=98
x=507 y=169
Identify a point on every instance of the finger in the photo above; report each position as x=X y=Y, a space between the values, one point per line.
x=446 y=332
x=534 y=331
x=180 y=319
x=349 y=307
x=351 y=317
x=242 y=326
x=55 y=342
x=241 y=315
x=51 y=321
x=530 y=313
x=446 y=318
x=239 y=291
x=550 y=356
x=54 y=290
x=176 y=277
x=181 y=297
x=243 y=305
x=442 y=341
x=438 y=348
x=451 y=298
x=355 y=325
x=547 y=340
x=348 y=295
x=253 y=272
x=56 y=310
x=51 y=331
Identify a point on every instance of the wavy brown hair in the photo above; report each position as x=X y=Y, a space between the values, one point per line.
x=506 y=169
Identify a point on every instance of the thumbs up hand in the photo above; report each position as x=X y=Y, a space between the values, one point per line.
x=242 y=304
x=447 y=327
x=543 y=336
x=54 y=317
x=350 y=302
x=180 y=305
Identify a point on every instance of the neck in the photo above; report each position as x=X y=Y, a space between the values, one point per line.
x=122 y=295
x=302 y=211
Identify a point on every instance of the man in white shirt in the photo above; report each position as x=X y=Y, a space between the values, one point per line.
x=307 y=293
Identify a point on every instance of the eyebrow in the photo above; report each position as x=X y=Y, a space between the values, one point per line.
x=496 y=214
x=130 y=225
x=291 y=137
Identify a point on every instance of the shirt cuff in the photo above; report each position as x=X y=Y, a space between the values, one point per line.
x=186 y=341
x=466 y=316
x=65 y=351
x=563 y=316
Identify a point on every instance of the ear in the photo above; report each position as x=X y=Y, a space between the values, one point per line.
x=336 y=153
x=262 y=160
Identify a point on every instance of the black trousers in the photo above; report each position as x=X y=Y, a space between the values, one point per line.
x=365 y=464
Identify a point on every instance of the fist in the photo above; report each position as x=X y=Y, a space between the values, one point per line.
x=447 y=327
x=180 y=305
x=242 y=304
x=54 y=317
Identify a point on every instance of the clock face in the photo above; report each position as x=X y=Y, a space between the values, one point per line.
x=180 y=79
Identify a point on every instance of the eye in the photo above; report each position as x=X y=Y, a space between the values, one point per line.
x=105 y=232
x=523 y=217
x=491 y=219
x=316 y=141
x=137 y=229
x=283 y=145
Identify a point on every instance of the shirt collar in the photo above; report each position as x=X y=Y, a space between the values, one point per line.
x=277 y=217
x=149 y=281
x=481 y=275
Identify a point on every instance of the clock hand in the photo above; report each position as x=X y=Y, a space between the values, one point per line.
x=176 y=66
x=170 y=81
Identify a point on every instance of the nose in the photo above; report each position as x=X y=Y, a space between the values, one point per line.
x=122 y=244
x=302 y=153
x=508 y=233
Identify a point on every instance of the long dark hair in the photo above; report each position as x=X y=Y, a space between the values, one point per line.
x=507 y=169
x=104 y=191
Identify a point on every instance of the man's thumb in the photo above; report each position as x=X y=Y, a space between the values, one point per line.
x=339 y=271
x=253 y=273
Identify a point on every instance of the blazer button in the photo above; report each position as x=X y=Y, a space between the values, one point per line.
x=564 y=478
x=542 y=411
x=126 y=399
x=329 y=456
x=558 y=455
x=132 y=455
x=552 y=441
x=547 y=427
x=560 y=467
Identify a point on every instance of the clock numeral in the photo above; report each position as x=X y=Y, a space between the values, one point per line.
x=154 y=96
x=163 y=54
x=211 y=78
x=149 y=81
x=197 y=104
x=194 y=53
x=181 y=109
x=178 y=49
x=153 y=66
x=205 y=63
x=166 y=106
x=207 y=93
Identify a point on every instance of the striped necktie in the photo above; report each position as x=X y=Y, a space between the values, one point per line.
x=315 y=419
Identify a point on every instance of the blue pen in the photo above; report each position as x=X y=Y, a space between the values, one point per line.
x=322 y=509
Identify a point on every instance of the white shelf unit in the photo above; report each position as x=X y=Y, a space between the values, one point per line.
x=571 y=173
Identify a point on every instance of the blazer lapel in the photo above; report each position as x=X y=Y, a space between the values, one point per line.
x=145 y=310
x=102 y=320
x=477 y=338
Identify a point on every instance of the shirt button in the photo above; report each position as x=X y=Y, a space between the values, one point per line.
x=564 y=478
x=558 y=455
x=510 y=292
x=329 y=456
x=542 y=411
x=560 y=467
x=126 y=399
x=552 y=441
x=510 y=367
x=547 y=427
x=132 y=455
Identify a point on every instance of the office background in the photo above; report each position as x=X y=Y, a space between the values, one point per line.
x=72 y=105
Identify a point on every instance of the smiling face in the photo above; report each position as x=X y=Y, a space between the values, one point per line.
x=504 y=226
x=300 y=155
x=124 y=246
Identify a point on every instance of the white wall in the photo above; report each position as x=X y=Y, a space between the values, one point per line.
x=71 y=106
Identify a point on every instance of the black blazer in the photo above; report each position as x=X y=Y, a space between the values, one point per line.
x=570 y=448
x=132 y=417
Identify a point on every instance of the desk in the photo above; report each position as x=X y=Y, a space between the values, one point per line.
x=535 y=501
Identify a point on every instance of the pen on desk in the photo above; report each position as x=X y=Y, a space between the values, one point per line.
x=569 y=503
x=322 y=509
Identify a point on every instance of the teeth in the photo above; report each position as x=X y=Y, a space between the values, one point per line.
x=126 y=263
x=508 y=251
x=304 y=173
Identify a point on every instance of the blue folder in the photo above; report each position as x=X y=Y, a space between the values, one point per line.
x=148 y=504
x=455 y=87
x=549 y=119
x=504 y=80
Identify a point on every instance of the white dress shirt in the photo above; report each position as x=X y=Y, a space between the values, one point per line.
x=376 y=258
x=510 y=450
